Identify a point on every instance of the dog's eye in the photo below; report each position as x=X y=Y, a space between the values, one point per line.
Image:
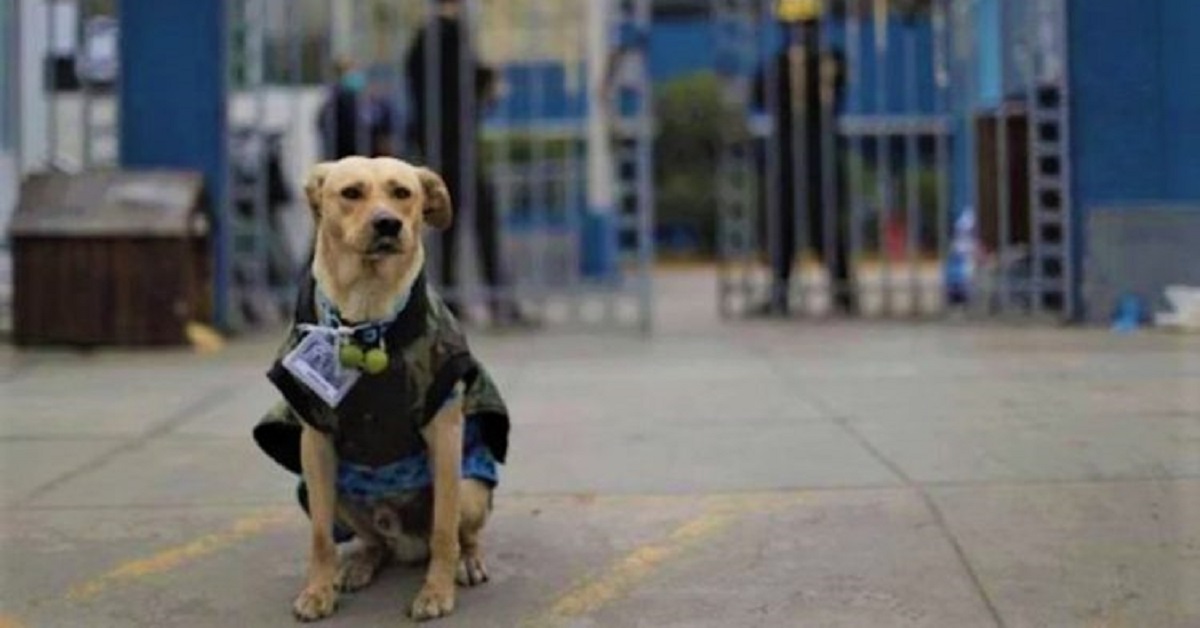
x=352 y=194
x=401 y=193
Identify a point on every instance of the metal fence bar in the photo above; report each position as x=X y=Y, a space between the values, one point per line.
x=803 y=211
x=328 y=74
x=618 y=130
x=1070 y=278
x=262 y=217
x=433 y=92
x=774 y=171
x=855 y=40
x=52 y=155
x=86 y=95
x=757 y=193
x=1029 y=61
x=942 y=140
x=970 y=85
x=115 y=122
x=432 y=151
x=645 y=178
x=227 y=298
x=362 y=128
x=576 y=192
x=294 y=78
x=12 y=58
x=831 y=160
x=628 y=26
x=400 y=148
x=467 y=118
x=539 y=196
x=912 y=166
x=883 y=148
x=1003 y=200
x=575 y=157
x=511 y=185
x=507 y=183
x=731 y=40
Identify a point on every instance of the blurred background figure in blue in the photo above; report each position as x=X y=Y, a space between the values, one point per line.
x=356 y=118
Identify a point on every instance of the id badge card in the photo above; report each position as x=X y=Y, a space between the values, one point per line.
x=315 y=363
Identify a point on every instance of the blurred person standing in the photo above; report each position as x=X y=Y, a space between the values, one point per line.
x=448 y=140
x=355 y=119
x=805 y=87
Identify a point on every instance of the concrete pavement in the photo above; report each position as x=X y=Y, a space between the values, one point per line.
x=744 y=474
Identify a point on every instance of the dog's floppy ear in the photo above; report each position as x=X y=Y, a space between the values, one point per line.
x=312 y=187
x=438 y=211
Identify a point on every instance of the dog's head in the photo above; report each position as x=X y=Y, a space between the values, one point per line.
x=375 y=209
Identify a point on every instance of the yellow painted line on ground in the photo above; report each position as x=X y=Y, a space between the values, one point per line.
x=638 y=565
x=175 y=557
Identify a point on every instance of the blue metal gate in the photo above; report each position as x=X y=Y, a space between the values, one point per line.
x=900 y=158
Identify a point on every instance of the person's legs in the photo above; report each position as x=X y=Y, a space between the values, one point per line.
x=832 y=248
x=781 y=263
x=845 y=299
x=449 y=248
x=505 y=308
x=449 y=269
x=486 y=231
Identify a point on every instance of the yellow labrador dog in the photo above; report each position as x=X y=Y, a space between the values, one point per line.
x=393 y=425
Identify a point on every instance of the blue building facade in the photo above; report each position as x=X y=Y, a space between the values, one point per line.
x=1135 y=77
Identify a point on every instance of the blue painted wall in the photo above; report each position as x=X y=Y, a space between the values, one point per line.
x=1181 y=98
x=680 y=47
x=173 y=112
x=1117 y=102
x=1136 y=109
x=988 y=30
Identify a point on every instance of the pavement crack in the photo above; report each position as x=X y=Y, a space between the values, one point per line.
x=838 y=418
x=158 y=429
x=935 y=511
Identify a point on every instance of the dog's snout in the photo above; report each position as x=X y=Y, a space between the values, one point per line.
x=387 y=225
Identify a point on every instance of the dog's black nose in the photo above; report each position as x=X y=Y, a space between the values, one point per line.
x=387 y=226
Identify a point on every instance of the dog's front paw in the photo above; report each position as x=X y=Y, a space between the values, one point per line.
x=359 y=568
x=315 y=602
x=433 y=601
x=472 y=571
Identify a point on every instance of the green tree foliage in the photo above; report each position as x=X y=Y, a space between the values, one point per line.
x=691 y=118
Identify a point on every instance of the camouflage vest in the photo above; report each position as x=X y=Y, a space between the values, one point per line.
x=380 y=420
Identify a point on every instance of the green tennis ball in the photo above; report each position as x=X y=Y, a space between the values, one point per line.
x=351 y=356
x=376 y=361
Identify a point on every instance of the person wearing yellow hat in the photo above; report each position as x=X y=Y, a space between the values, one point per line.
x=796 y=77
x=797 y=10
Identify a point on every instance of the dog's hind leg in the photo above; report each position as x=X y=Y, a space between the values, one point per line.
x=475 y=505
x=361 y=564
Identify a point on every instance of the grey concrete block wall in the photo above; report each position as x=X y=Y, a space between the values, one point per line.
x=1138 y=250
